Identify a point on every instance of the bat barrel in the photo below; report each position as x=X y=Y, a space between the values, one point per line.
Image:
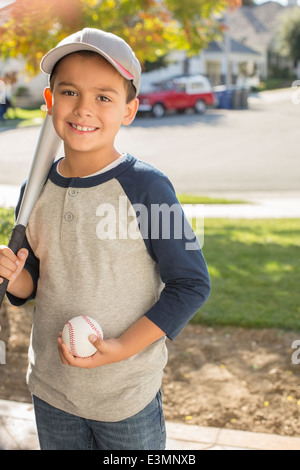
x=14 y=244
x=46 y=151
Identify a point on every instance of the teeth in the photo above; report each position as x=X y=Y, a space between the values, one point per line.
x=84 y=129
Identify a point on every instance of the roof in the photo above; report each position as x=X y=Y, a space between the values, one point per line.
x=256 y=26
x=236 y=47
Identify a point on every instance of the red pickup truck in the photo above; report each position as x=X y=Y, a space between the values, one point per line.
x=178 y=94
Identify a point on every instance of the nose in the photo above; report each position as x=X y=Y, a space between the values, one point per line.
x=83 y=106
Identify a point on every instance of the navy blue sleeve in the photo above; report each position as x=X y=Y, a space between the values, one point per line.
x=172 y=243
x=31 y=265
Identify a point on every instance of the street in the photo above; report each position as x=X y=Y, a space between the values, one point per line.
x=224 y=151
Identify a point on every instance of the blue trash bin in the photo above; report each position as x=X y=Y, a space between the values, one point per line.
x=2 y=111
x=219 y=94
x=228 y=98
x=224 y=97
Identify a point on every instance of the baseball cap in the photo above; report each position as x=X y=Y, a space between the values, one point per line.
x=113 y=48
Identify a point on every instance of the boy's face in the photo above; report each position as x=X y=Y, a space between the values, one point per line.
x=89 y=105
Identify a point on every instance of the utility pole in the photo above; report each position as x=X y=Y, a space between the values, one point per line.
x=227 y=48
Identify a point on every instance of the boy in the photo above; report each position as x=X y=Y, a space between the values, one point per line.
x=99 y=243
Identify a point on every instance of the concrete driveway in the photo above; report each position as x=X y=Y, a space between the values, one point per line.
x=243 y=151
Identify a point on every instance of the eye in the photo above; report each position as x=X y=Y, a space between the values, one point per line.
x=69 y=93
x=103 y=98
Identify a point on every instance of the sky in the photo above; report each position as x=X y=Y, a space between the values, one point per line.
x=4 y=3
x=283 y=2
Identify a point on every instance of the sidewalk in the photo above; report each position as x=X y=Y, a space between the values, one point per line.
x=262 y=208
x=9 y=195
x=258 y=205
x=18 y=432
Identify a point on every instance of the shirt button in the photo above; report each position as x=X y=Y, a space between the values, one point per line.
x=72 y=192
x=69 y=216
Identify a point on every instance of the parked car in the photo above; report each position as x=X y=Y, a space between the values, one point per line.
x=178 y=94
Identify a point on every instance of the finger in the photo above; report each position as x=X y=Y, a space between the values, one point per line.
x=10 y=264
x=8 y=272
x=7 y=253
x=96 y=341
x=61 y=352
x=72 y=360
x=67 y=355
x=22 y=256
x=82 y=362
x=6 y=264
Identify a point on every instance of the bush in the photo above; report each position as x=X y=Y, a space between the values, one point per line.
x=7 y=220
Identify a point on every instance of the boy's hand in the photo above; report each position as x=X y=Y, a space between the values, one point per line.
x=109 y=351
x=11 y=265
x=138 y=336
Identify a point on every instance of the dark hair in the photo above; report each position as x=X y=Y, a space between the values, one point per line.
x=129 y=87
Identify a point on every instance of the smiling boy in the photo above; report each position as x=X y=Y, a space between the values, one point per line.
x=140 y=288
x=90 y=99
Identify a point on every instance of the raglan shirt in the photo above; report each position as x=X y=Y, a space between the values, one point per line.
x=114 y=246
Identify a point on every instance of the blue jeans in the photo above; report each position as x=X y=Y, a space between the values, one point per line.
x=58 y=430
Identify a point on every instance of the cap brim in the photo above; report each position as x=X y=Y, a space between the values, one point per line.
x=49 y=60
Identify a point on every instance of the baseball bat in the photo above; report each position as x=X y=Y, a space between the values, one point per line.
x=46 y=150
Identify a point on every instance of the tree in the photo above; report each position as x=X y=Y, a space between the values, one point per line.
x=151 y=27
x=248 y=3
x=289 y=36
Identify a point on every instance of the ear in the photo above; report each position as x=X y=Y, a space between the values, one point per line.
x=49 y=100
x=130 y=113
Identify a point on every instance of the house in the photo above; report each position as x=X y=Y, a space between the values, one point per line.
x=243 y=62
x=211 y=62
x=257 y=27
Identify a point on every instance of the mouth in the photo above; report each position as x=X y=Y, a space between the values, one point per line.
x=82 y=128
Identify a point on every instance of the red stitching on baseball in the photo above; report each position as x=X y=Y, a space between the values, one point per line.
x=72 y=339
x=94 y=328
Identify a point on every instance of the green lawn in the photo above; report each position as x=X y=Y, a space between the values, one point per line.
x=255 y=272
x=254 y=267
x=19 y=117
x=194 y=199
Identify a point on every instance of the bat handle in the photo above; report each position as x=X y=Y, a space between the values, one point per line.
x=14 y=244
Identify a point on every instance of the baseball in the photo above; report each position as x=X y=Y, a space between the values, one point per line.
x=76 y=334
